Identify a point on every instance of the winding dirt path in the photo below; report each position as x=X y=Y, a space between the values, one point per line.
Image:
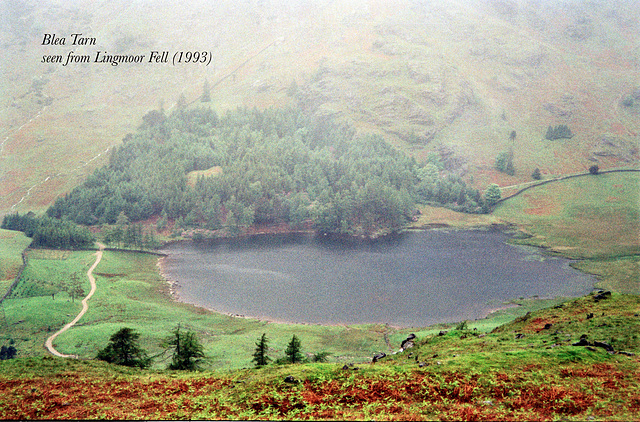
x=49 y=343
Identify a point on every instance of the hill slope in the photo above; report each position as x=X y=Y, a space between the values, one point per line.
x=529 y=369
x=455 y=75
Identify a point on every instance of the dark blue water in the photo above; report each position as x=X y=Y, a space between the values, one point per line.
x=415 y=279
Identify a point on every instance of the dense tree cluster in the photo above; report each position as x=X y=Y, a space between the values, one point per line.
x=48 y=232
x=558 y=132
x=129 y=235
x=504 y=162
x=277 y=165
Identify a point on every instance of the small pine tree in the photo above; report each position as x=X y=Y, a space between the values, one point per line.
x=123 y=349
x=293 y=350
x=594 y=169
x=462 y=326
x=536 y=174
x=74 y=289
x=550 y=135
x=162 y=222
x=260 y=355
x=7 y=353
x=321 y=356
x=563 y=131
x=187 y=350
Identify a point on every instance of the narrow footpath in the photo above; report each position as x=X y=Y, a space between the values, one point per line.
x=49 y=343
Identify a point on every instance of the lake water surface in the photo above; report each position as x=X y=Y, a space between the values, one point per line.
x=414 y=279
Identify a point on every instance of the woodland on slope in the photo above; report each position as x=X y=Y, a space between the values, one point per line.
x=264 y=167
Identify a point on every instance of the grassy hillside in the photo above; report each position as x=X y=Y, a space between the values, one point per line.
x=11 y=246
x=581 y=217
x=594 y=219
x=132 y=293
x=448 y=76
x=526 y=370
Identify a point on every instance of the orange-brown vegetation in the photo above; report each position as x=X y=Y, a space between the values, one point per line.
x=415 y=396
x=73 y=396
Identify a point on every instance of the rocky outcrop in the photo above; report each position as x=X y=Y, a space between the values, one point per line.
x=378 y=356
x=584 y=342
x=408 y=342
x=602 y=295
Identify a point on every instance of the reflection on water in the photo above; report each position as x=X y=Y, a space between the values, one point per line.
x=414 y=279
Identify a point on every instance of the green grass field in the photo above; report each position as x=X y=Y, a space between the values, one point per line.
x=585 y=217
x=11 y=246
x=131 y=293
x=595 y=219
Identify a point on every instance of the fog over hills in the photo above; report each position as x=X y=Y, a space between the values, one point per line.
x=454 y=76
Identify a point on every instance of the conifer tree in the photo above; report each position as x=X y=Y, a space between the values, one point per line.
x=536 y=174
x=74 y=289
x=8 y=352
x=187 y=352
x=293 y=350
x=504 y=162
x=550 y=135
x=123 y=349
x=260 y=355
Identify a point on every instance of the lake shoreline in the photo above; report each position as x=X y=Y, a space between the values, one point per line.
x=289 y=241
x=173 y=293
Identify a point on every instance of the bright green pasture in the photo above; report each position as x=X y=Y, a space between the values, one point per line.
x=585 y=217
x=617 y=274
x=37 y=306
x=50 y=272
x=131 y=293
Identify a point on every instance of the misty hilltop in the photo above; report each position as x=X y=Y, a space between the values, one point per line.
x=463 y=79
